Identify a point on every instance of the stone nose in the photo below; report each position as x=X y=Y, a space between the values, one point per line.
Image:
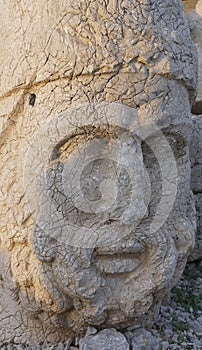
x=131 y=151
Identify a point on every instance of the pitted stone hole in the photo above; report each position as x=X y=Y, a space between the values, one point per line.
x=32 y=99
x=197 y=108
x=109 y=222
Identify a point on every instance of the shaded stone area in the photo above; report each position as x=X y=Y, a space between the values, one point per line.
x=195 y=25
x=196 y=184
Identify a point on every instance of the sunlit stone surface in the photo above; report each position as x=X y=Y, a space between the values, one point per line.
x=97 y=215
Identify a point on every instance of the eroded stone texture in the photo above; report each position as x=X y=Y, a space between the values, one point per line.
x=97 y=215
x=195 y=25
x=196 y=186
x=108 y=339
x=144 y=340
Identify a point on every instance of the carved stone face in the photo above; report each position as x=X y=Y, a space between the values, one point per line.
x=99 y=218
x=114 y=218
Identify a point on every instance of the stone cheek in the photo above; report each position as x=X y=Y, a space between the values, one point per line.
x=140 y=58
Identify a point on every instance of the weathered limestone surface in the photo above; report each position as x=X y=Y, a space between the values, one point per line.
x=143 y=339
x=108 y=339
x=195 y=25
x=196 y=185
x=97 y=215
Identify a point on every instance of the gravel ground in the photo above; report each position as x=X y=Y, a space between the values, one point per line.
x=179 y=325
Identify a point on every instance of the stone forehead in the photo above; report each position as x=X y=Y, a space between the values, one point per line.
x=69 y=39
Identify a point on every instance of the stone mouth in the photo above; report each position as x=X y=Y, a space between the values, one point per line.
x=123 y=258
x=118 y=263
x=127 y=247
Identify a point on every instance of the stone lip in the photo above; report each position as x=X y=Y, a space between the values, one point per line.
x=115 y=264
x=122 y=258
x=127 y=247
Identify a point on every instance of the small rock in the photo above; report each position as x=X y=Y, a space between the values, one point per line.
x=154 y=332
x=165 y=345
x=144 y=340
x=108 y=339
x=199 y=319
x=165 y=312
x=76 y=343
x=67 y=344
x=59 y=346
x=196 y=327
x=91 y=330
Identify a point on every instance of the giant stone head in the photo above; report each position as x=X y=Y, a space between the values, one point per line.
x=97 y=215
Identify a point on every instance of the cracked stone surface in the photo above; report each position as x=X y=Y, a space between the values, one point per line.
x=143 y=340
x=195 y=25
x=196 y=171
x=97 y=216
x=108 y=339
